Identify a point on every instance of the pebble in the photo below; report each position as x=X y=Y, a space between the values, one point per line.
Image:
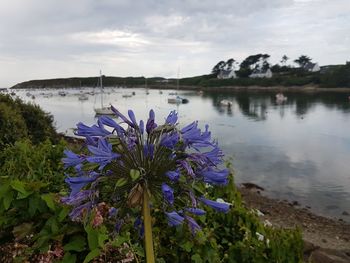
x=324 y=240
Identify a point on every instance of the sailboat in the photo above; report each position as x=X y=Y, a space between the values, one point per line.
x=177 y=99
x=103 y=110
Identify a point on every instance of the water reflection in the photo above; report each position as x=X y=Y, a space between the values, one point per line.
x=297 y=149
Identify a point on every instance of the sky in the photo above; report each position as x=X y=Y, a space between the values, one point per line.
x=64 y=38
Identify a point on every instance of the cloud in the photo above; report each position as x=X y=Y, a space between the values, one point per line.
x=154 y=38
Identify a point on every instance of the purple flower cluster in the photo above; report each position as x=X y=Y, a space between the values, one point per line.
x=123 y=159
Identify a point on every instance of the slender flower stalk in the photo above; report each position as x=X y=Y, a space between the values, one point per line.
x=148 y=228
x=128 y=163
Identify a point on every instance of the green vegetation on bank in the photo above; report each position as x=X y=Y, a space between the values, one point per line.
x=283 y=74
x=35 y=226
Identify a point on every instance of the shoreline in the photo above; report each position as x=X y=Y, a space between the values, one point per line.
x=286 y=89
x=306 y=89
x=324 y=238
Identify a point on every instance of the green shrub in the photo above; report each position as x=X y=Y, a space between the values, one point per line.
x=29 y=162
x=12 y=125
x=24 y=120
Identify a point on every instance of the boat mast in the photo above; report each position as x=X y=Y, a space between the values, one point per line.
x=177 y=80
x=101 y=86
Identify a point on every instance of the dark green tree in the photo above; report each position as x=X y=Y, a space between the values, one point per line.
x=219 y=66
x=303 y=60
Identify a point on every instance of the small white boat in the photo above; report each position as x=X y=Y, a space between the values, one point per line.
x=104 y=111
x=83 y=97
x=126 y=96
x=177 y=100
x=62 y=93
x=226 y=103
x=280 y=98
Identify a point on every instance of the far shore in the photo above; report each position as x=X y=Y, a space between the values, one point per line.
x=308 y=88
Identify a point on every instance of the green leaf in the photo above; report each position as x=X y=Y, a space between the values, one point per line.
x=93 y=253
x=76 y=243
x=197 y=258
x=20 y=188
x=62 y=214
x=34 y=205
x=8 y=199
x=187 y=246
x=119 y=240
x=134 y=174
x=69 y=258
x=121 y=182
x=49 y=200
x=92 y=237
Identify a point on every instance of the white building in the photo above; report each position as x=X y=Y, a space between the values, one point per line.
x=312 y=67
x=261 y=74
x=226 y=74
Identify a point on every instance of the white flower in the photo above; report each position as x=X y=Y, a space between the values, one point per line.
x=259 y=213
x=220 y=200
x=260 y=236
x=267 y=223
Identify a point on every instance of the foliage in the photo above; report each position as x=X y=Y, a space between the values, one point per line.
x=337 y=77
x=303 y=60
x=24 y=120
x=12 y=125
x=237 y=236
x=28 y=162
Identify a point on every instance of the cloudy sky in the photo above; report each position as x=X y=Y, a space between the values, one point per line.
x=64 y=38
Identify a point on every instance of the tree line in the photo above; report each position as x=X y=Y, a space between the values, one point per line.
x=258 y=62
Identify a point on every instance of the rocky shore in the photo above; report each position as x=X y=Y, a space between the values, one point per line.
x=325 y=240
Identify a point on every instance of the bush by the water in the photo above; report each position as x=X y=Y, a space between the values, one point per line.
x=19 y=120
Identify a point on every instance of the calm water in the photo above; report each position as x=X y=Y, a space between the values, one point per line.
x=297 y=151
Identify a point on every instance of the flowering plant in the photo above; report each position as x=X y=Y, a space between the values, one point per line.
x=133 y=164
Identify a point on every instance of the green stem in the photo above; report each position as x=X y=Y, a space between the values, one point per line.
x=148 y=228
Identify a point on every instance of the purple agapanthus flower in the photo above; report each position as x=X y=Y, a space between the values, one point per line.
x=216 y=177
x=174 y=219
x=78 y=182
x=172 y=118
x=151 y=125
x=173 y=175
x=127 y=157
x=192 y=225
x=168 y=193
x=102 y=154
x=72 y=159
x=195 y=211
x=77 y=198
x=93 y=131
x=218 y=206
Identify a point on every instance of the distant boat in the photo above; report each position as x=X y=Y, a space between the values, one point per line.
x=280 y=98
x=62 y=93
x=103 y=110
x=226 y=103
x=177 y=100
x=126 y=96
x=83 y=97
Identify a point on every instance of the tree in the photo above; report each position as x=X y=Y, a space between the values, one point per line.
x=284 y=60
x=218 y=67
x=303 y=60
x=230 y=64
x=253 y=62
